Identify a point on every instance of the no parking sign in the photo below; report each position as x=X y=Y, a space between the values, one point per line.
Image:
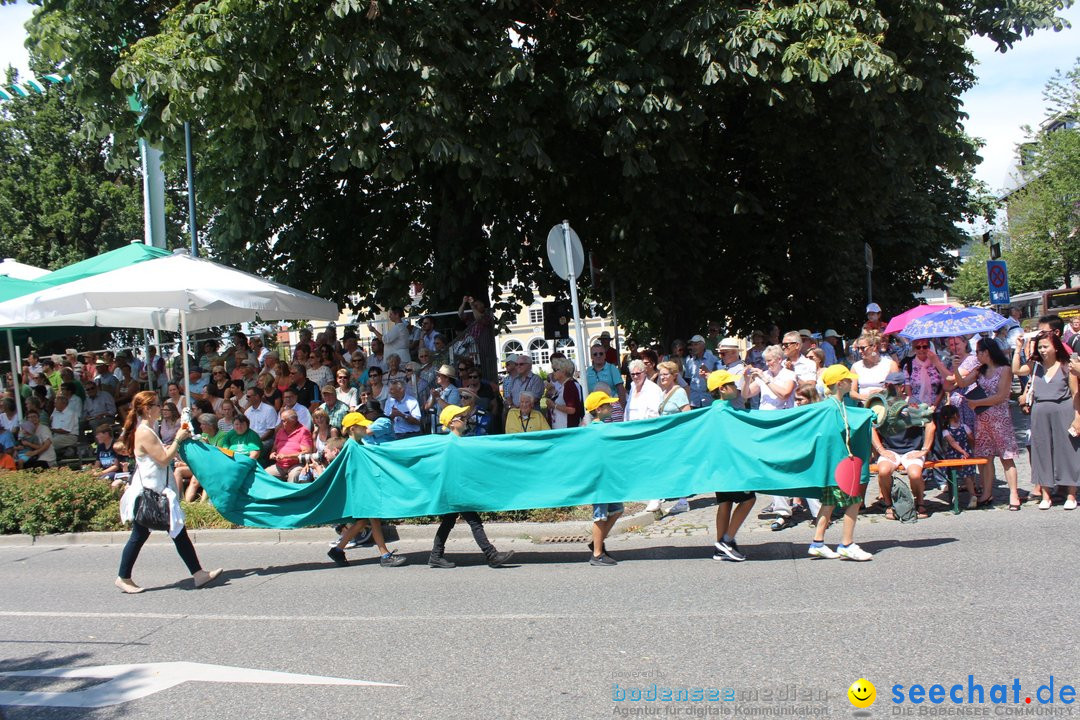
x=998 y=279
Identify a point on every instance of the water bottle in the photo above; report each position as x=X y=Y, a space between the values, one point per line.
x=185 y=419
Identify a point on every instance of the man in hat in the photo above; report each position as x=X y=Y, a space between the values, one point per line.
x=728 y=350
x=696 y=369
x=609 y=352
x=444 y=393
x=732 y=508
x=808 y=341
x=828 y=346
x=905 y=449
x=452 y=417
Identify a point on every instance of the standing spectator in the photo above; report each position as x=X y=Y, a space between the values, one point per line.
x=994 y=434
x=963 y=362
x=644 y=398
x=873 y=319
x=678 y=353
x=481 y=327
x=398 y=335
x=601 y=371
x=427 y=335
x=1055 y=409
x=755 y=354
x=872 y=368
x=566 y=399
x=831 y=345
x=728 y=350
x=804 y=368
x=610 y=354
x=291 y=440
x=696 y=369
x=674 y=401
x=444 y=393
x=526 y=381
x=776 y=388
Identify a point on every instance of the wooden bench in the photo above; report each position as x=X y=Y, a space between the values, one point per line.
x=951 y=465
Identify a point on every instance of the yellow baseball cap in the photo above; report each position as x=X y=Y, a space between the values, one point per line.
x=835 y=373
x=596 y=399
x=449 y=413
x=718 y=379
x=354 y=418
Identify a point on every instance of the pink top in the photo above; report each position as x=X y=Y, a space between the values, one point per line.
x=286 y=443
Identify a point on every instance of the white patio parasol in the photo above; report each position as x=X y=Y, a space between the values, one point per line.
x=176 y=292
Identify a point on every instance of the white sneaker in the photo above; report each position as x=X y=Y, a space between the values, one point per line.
x=679 y=507
x=1045 y=505
x=653 y=506
x=1070 y=504
x=822 y=552
x=853 y=552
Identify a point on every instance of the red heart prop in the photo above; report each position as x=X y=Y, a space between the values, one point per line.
x=849 y=476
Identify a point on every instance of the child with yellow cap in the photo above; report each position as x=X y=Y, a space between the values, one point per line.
x=600 y=405
x=452 y=417
x=732 y=508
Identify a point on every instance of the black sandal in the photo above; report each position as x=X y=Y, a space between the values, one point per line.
x=784 y=521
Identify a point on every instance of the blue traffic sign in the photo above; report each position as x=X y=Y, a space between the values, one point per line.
x=997 y=276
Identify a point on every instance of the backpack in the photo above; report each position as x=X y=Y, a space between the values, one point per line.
x=903 y=502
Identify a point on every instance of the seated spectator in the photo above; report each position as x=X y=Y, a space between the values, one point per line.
x=907 y=450
x=35 y=448
x=176 y=396
x=334 y=409
x=378 y=389
x=99 y=407
x=394 y=368
x=444 y=392
x=291 y=440
x=525 y=418
x=403 y=411
x=126 y=388
x=227 y=412
x=345 y=393
x=242 y=439
x=64 y=424
x=305 y=390
x=321 y=429
x=872 y=368
x=289 y=401
x=108 y=461
x=9 y=418
x=170 y=422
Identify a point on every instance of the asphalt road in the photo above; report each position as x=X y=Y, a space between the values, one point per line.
x=987 y=593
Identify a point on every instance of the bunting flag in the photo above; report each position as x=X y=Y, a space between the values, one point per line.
x=32 y=86
x=784 y=452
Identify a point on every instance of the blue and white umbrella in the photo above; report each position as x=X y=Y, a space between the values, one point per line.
x=952 y=322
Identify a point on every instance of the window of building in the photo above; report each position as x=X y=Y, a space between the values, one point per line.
x=566 y=347
x=540 y=351
x=512 y=347
x=536 y=315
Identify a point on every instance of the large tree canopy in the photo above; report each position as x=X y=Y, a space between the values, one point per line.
x=723 y=160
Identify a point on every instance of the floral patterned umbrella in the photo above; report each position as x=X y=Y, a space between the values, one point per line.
x=901 y=321
x=953 y=321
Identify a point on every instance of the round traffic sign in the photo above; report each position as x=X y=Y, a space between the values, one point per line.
x=997 y=276
x=556 y=252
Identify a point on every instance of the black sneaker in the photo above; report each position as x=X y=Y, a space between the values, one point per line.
x=725 y=551
x=392 y=559
x=338 y=556
x=500 y=558
x=602 y=561
x=438 y=561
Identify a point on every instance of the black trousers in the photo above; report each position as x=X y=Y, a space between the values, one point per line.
x=139 y=534
x=477 y=527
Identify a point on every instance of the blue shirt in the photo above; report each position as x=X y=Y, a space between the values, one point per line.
x=699 y=388
x=609 y=374
x=382 y=432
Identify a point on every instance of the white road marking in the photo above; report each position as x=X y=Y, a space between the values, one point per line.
x=125 y=683
x=357 y=618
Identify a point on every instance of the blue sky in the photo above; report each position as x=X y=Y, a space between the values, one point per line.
x=1008 y=95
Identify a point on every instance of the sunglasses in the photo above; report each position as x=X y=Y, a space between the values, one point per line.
x=921 y=347
x=599 y=354
x=635 y=374
x=788 y=344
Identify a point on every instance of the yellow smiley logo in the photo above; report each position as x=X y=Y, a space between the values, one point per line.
x=862 y=693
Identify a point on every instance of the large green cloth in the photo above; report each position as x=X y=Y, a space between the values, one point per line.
x=784 y=452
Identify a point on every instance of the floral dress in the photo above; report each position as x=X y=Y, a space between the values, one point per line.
x=962 y=435
x=994 y=434
x=956 y=397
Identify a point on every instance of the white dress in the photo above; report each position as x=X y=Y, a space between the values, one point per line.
x=148 y=474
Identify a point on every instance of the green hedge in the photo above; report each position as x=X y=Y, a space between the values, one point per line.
x=60 y=501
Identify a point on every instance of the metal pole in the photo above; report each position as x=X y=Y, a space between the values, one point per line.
x=614 y=320
x=16 y=367
x=869 y=287
x=579 y=328
x=191 y=191
x=184 y=356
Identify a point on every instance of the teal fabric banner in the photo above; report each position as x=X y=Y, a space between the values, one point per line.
x=785 y=452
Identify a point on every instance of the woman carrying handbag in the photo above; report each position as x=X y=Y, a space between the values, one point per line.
x=150 y=498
